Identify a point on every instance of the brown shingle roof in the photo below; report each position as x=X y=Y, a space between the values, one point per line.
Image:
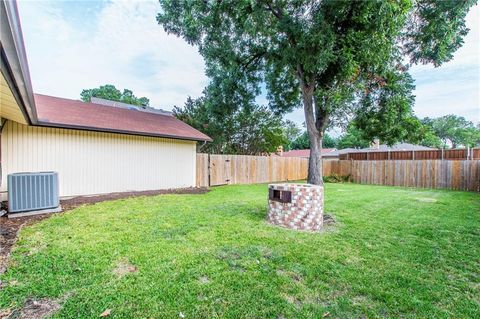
x=66 y=113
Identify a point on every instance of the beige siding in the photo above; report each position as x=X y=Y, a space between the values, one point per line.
x=95 y=162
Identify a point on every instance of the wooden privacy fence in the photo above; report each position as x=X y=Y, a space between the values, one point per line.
x=458 y=175
x=454 y=154
x=215 y=170
x=342 y=168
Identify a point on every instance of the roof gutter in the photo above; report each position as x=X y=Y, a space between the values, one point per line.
x=14 y=64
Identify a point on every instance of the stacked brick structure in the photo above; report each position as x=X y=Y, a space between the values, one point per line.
x=296 y=206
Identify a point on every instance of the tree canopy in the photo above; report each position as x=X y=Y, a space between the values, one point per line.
x=302 y=142
x=250 y=130
x=292 y=132
x=110 y=92
x=353 y=138
x=340 y=60
x=454 y=130
x=429 y=137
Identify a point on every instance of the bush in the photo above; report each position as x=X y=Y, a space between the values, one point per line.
x=335 y=178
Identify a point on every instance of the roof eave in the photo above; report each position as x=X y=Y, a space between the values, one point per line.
x=106 y=130
x=14 y=64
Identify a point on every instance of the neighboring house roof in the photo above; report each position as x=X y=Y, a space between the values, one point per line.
x=73 y=114
x=305 y=153
x=332 y=152
x=395 y=147
x=336 y=153
x=347 y=150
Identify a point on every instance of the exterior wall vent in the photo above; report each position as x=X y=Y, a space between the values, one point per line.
x=32 y=191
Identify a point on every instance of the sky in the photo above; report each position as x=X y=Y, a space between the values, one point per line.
x=75 y=45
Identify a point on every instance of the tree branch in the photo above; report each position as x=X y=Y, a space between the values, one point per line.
x=253 y=58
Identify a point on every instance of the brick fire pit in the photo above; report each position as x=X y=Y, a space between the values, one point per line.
x=296 y=206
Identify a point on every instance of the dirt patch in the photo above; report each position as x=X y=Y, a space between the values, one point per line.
x=5 y=313
x=123 y=268
x=35 y=309
x=328 y=220
x=290 y=274
x=9 y=227
x=204 y=280
x=292 y=300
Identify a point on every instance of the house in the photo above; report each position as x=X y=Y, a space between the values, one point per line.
x=95 y=147
x=333 y=153
x=376 y=147
x=382 y=152
x=336 y=153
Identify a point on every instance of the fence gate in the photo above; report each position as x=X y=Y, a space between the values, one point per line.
x=220 y=170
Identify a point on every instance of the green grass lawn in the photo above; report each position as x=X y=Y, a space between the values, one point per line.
x=393 y=252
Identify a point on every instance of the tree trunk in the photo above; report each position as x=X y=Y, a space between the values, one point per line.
x=315 y=175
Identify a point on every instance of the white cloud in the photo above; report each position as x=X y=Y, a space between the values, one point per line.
x=454 y=87
x=122 y=45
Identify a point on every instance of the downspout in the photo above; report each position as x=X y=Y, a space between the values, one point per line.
x=2 y=125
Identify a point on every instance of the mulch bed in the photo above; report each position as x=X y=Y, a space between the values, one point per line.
x=9 y=227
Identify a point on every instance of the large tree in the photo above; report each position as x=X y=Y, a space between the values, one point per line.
x=340 y=60
x=248 y=130
x=454 y=130
x=110 y=92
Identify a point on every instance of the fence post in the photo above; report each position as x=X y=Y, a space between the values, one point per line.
x=443 y=150
x=208 y=170
x=413 y=155
x=389 y=157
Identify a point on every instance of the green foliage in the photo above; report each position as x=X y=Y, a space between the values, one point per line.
x=469 y=137
x=393 y=252
x=110 y=92
x=292 y=132
x=329 y=141
x=302 y=142
x=429 y=138
x=454 y=130
x=335 y=178
x=385 y=111
x=353 y=138
x=250 y=130
x=435 y=30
